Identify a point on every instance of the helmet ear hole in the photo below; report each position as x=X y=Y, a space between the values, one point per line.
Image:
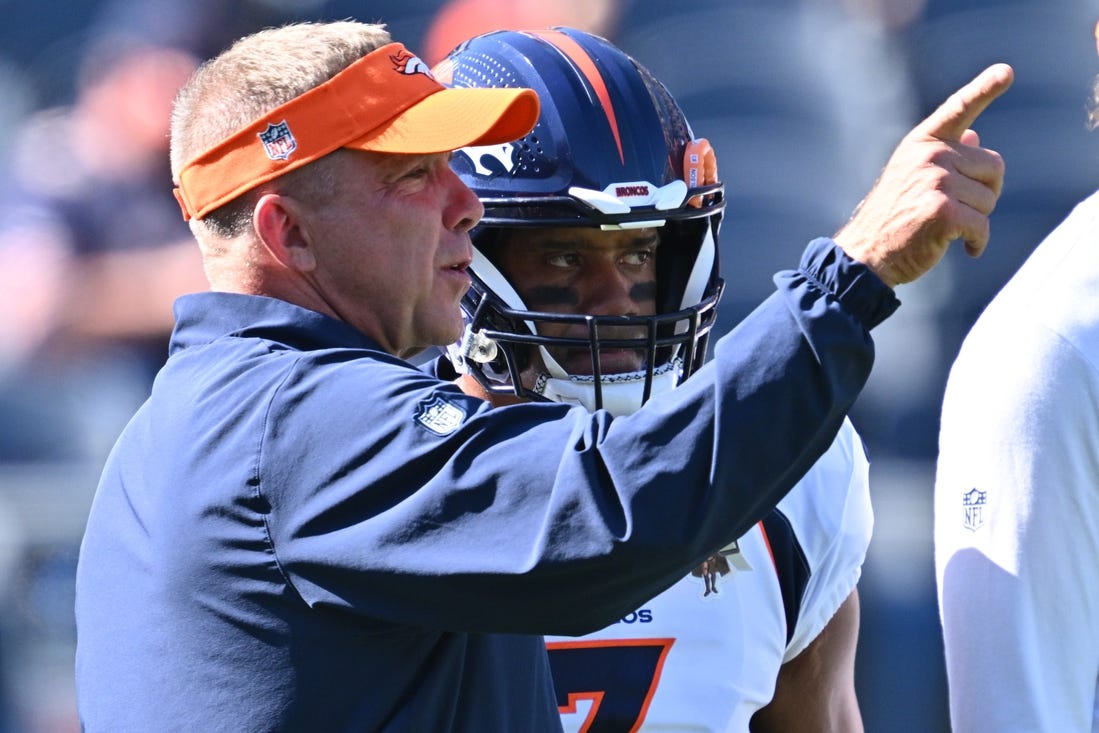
x=490 y=307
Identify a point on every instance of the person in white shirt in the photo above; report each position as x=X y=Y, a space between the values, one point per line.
x=1017 y=497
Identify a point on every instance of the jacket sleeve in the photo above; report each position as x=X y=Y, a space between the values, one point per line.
x=539 y=518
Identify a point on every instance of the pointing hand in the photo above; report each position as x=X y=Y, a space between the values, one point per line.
x=939 y=185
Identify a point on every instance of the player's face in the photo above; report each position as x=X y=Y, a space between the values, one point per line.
x=577 y=270
x=395 y=248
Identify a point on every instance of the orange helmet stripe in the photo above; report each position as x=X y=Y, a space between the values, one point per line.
x=575 y=52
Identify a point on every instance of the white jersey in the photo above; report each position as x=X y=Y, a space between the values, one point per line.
x=705 y=654
x=1017 y=498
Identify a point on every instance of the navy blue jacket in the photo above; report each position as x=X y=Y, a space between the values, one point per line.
x=300 y=532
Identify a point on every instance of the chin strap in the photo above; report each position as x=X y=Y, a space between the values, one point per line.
x=621 y=393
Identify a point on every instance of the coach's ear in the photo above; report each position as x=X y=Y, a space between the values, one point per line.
x=278 y=222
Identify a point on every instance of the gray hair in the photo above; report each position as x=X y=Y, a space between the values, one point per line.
x=255 y=75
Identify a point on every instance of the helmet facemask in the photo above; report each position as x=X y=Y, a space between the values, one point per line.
x=613 y=362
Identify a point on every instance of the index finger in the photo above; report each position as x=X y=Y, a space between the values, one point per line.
x=958 y=113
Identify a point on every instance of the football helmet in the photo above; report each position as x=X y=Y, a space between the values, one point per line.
x=612 y=150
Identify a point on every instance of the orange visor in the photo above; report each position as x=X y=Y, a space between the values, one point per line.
x=386 y=102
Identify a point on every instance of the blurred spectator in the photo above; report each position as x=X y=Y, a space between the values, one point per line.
x=890 y=15
x=1016 y=506
x=458 y=20
x=93 y=249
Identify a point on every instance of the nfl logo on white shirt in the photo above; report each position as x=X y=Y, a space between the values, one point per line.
x=973 y=504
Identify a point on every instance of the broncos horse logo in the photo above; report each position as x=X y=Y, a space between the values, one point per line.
x=407 y=63
x=710 y=569
x=500 y=158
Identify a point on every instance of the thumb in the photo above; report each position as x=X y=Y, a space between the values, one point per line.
x=958 y=113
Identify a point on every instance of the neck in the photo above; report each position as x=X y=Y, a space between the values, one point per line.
x=473 y=388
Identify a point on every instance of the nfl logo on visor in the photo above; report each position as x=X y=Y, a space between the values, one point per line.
x=278 y=141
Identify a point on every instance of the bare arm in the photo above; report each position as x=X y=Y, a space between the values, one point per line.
x=129 y=293
x=815 y=692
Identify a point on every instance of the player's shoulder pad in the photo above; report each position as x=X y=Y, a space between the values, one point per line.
x=830 y=514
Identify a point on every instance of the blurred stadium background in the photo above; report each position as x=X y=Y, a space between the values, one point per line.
x=802 y=99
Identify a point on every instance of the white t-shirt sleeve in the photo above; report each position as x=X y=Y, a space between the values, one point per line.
x=1017 y=532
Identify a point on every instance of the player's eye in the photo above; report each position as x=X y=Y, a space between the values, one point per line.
x=564 y=259
x=639 y=257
